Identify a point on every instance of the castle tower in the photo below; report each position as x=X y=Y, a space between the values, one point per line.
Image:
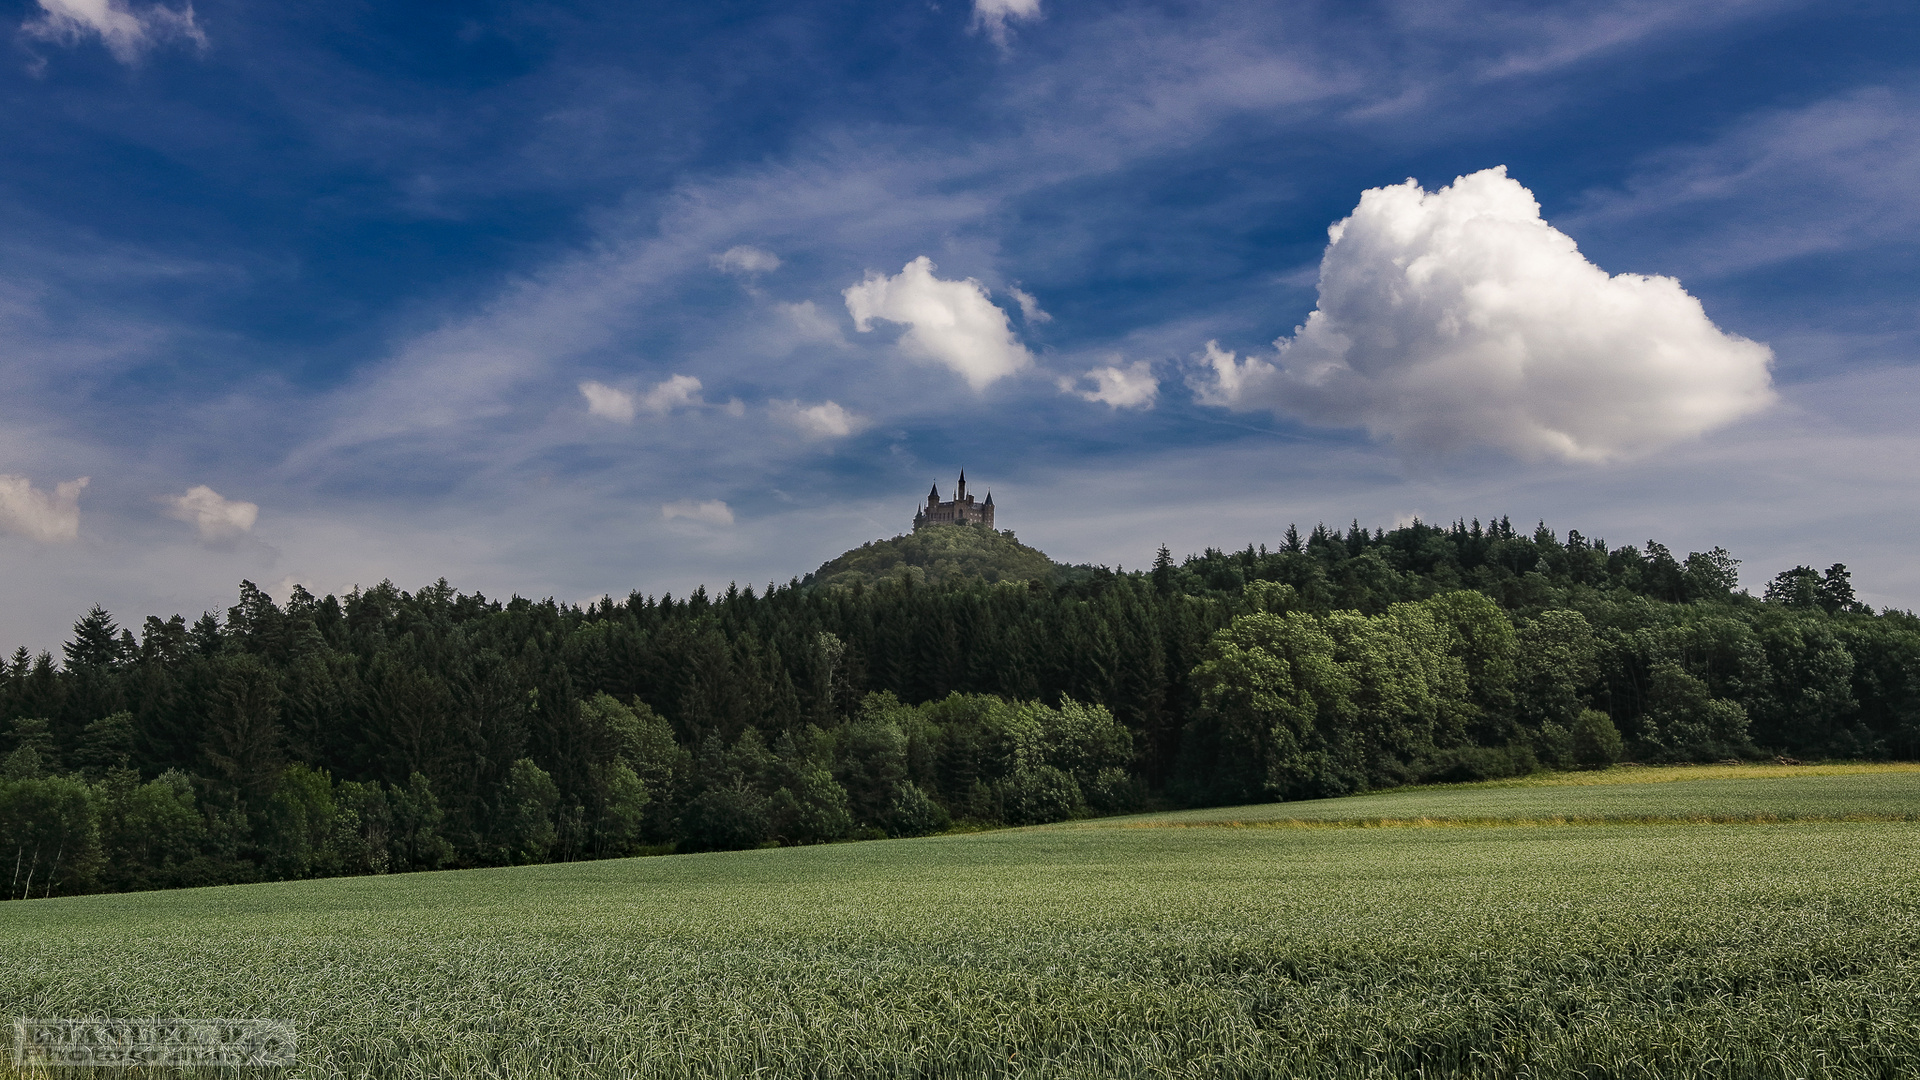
x=962 y=510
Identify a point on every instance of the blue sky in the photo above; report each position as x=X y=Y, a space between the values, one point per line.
x=579 y=299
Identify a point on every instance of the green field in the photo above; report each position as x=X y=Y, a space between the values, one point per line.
x=1690 y=794
x=1116 y=948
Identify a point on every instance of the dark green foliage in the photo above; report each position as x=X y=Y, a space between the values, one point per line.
x=32 y=753
x=912 y=813
x=106 y=743
x=809 y=806
x=1595 y=742
x=299 y=825
x=951 y=675
x=727 y=816
x=1038 y=794
x=937 y=555
x=416 y=842
x=524 y=829
x=153 y=834
x=1465 y=764
x=49 y=836
x=727 y=807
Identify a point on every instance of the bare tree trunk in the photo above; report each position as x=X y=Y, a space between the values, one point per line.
x=18 y=850
x=55 y=869
x=33 y=865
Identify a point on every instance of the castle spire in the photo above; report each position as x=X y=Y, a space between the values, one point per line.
x=961 y=494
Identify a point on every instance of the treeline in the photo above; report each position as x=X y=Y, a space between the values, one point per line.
x=386 y=731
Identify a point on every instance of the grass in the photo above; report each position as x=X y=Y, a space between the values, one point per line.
x=1095 y=949
x=1726 y=794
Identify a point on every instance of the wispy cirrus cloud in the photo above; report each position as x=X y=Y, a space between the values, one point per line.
x=997 y=16
x=746 y=259
x=704 y=511
x=1834 y=175
x=1029 y=306
x=127 y=31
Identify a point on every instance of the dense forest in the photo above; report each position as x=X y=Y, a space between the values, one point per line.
x=389 y=731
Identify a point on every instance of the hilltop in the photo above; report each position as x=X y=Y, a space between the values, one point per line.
x=938 y=555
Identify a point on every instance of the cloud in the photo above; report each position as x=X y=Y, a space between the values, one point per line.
x=217 y=518
x=744 y=259
x=1029 y=307
x=125 y=32
x=809 y=324
x=826 y=420
x=1835 y=175
x=49 y=518
x=680 y=391
x=711 y=511
x=994 y=15
x=950 y=322
x=677 y=392
x=604 y=400
x=1460 y=317
x=1130 y=387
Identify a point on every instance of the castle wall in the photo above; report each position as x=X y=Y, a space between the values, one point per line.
x=952 y=513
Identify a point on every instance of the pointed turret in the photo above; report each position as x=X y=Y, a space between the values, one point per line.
x=933 y=496
x=961 y=494
x=989 y=497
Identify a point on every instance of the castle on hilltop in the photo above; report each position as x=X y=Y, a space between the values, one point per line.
x=961 y=511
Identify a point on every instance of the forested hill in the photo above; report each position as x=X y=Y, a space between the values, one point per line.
x=940 y=555
x=387 y=730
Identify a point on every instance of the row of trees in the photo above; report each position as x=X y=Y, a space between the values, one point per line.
x=387 y=730
x=889 y=770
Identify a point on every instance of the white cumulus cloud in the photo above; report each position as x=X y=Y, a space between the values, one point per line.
x=215 y=516
x=710 y=511
x=126 y=32
x=746 y=259
x=1460 y=317
x=604 y=400
x=949 y=322
x=1130 y=387
x=827 y=420
x=49 y=517
x=994 y=15
x=680 y=391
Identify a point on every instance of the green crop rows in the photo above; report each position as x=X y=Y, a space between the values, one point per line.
x=1882 y=794
x=1095 y=949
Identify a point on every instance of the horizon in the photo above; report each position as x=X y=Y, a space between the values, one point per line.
x=713 y=591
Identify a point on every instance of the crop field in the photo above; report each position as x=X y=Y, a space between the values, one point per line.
x=1661 y=947
x=1615 y=796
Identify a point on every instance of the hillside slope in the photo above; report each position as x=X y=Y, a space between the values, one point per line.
x=939 y=555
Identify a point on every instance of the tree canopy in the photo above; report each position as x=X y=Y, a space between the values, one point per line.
x=389 y=730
